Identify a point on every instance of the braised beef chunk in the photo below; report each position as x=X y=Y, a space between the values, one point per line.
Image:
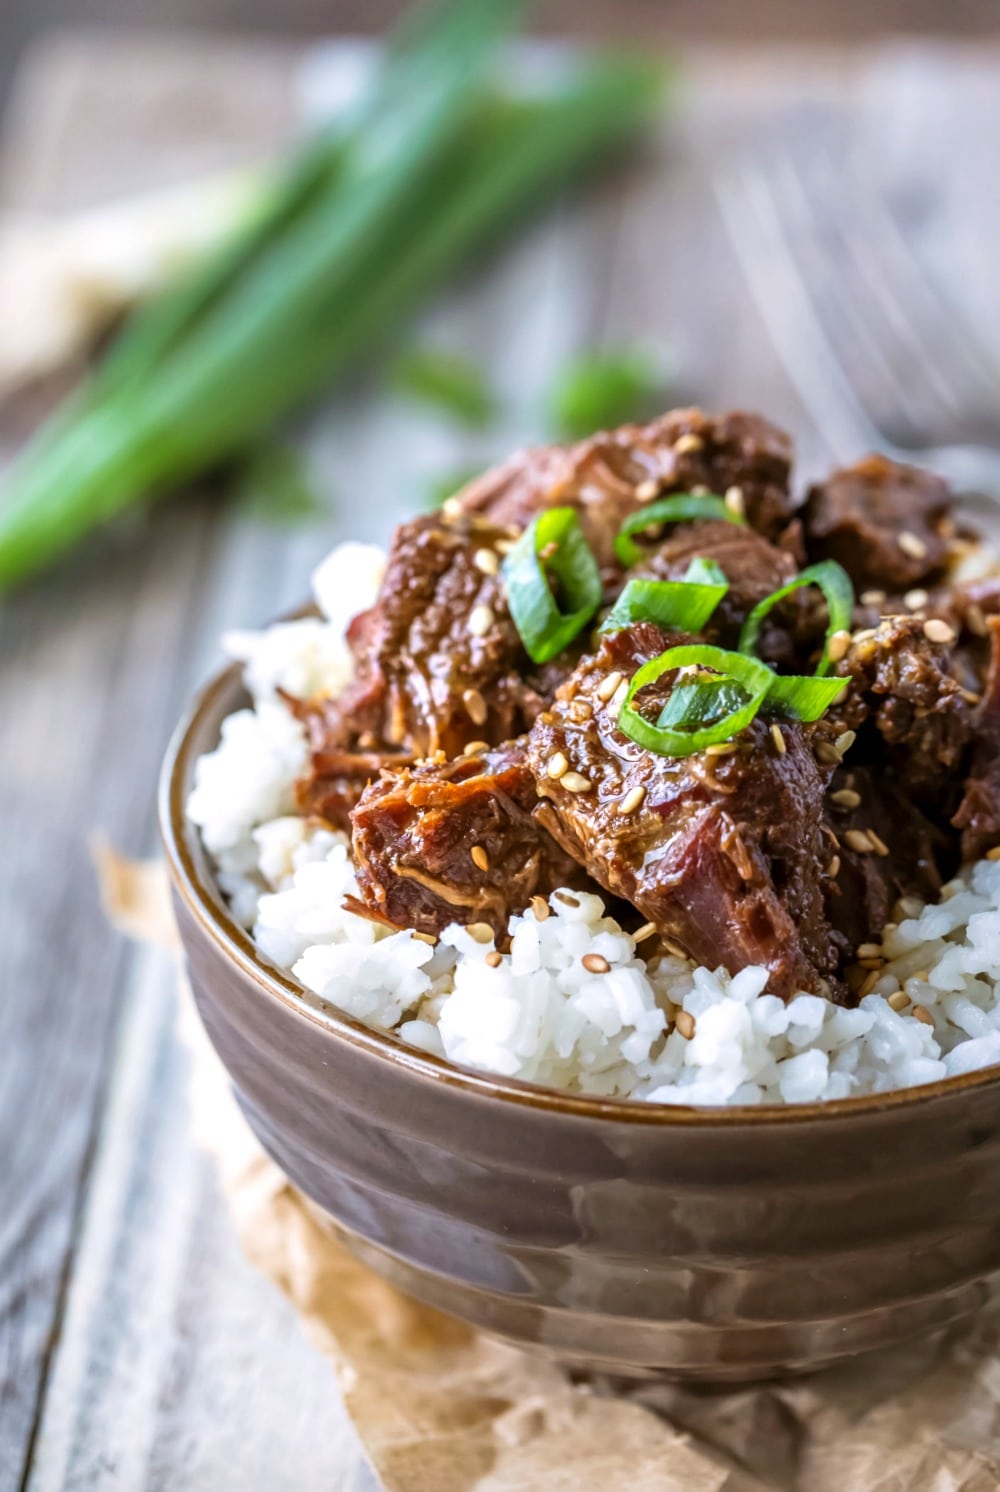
x=722 y=851
x=439 y=660
x=472 y=780
x=886 y=848
x=455 y=842
x=608 y=476
x=903 y=687
x=887 y=524
x=978 y=814
x=753 y=567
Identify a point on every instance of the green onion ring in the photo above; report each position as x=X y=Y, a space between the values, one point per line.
x=684 y=605
x=543 y=628
x=803 y=699
x=679 y=508
x=835 y=583
x=752 y=676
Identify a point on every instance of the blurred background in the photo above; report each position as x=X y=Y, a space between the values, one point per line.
x=802 y=220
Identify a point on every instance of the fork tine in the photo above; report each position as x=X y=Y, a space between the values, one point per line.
x=916 y=314
x=871 y=356
x=781 y=294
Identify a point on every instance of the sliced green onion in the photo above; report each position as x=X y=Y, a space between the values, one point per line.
x=445 y=381
x=606 y=388
x=749 y=675
x=835 y=583
x=544 y=629
x=684 y=605
x=804 y=699
x=681 y=507
x=695 y=705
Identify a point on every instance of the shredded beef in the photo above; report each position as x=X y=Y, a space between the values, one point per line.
x=455 y=842
x=608 y=476
x=978 y=814
x=722 y=852
x=887 y=524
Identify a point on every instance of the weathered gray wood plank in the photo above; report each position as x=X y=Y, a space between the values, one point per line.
x=131 y=1332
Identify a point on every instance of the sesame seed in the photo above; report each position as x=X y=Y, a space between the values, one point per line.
x=451 y=508
x=923 y=1015
x=857 y=840
x=975 y=620
x=494 y=959
x=557 y=766
x=922 y=974
x=685 y=1024
x=689 y=442
x=898 y=1000
x=487 y=561
x=607 y=686
x=618 y=698
x=869 y=950
x=647 y=490
x=871 y=979
x=735 y=501
x=645 y=931
x=721 y=748
x=473 y=748
x=827 y=753
x=833 y=869
x=935 y=630
x=846 y=797
x=423 y=937
x=845 y=741
x=480 y=620
x=994 y=853
x=910 y=544
x=475 y=706
x=778 y=738
x=916 y=600
x=631 y=800
x=878 y=843
x=541 y=908
x=838 y=645
x=566 y=899
x=575 y=782
x=595 y=964
x=480 y=857
x=480 y=932
x=873 y=598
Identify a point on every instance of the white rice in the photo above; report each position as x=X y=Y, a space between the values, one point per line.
x=539 y=1015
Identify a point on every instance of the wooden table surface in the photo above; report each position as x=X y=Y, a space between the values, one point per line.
x=137 y=1349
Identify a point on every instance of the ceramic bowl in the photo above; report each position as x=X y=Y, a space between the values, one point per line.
x=721 y=1244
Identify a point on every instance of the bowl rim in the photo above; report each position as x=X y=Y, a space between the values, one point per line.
x=209 y=707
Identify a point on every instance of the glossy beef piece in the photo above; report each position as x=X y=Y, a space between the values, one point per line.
x=724 y=853
x=903 y=688
x=978 y=814
x=336 y=777
x=415 y=830
x=906 y=855
x=887 y=524
x=439 y=662
x=610 y=475
x=753 y=567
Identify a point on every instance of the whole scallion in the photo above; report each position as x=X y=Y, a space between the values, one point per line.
x=428 y=171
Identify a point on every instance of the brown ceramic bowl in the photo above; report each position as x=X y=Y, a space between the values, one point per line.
x=723 y=1244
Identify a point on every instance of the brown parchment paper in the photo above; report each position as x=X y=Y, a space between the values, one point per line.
x=442 y=1408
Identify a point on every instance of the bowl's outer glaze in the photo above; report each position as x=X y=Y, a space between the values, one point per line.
x=716 y=1244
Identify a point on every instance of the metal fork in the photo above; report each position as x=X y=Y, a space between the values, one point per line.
x=854 y=319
